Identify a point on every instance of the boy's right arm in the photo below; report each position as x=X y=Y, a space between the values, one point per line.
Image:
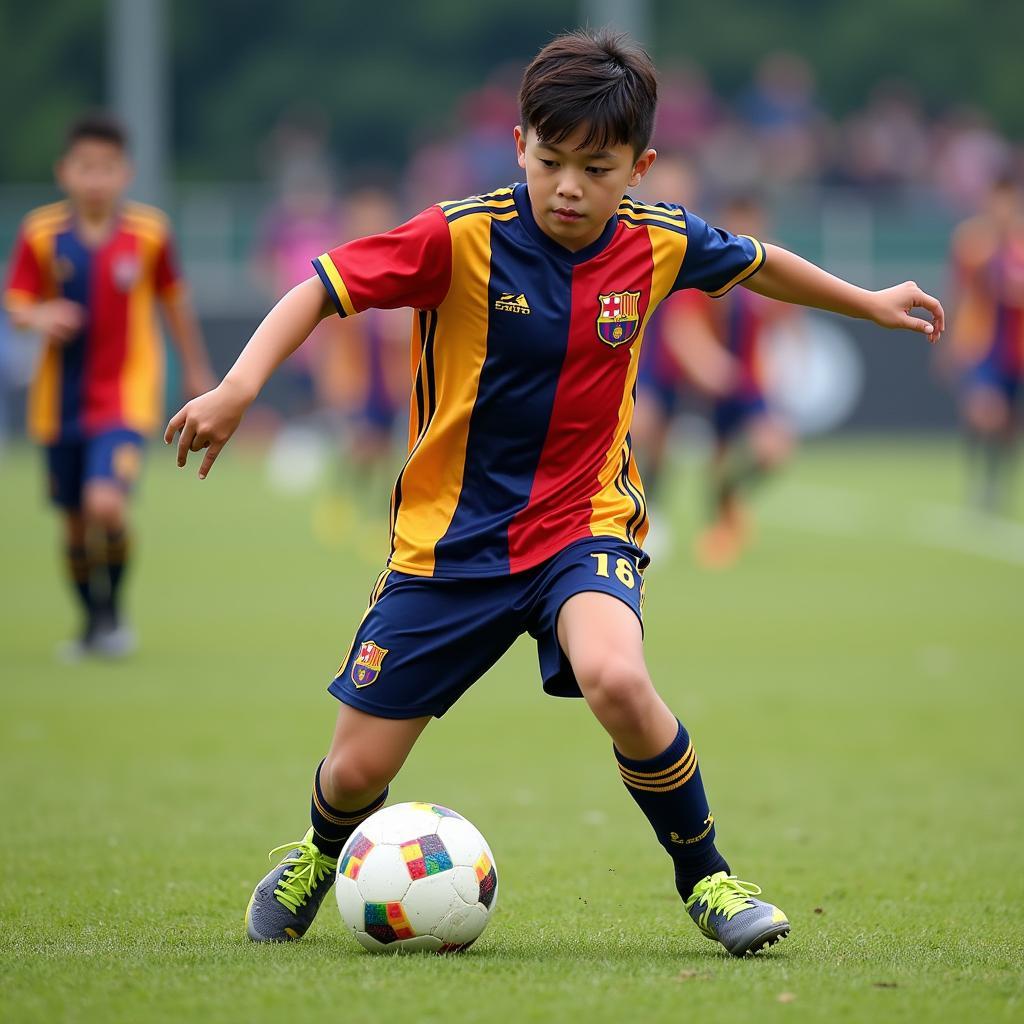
x=209 y=420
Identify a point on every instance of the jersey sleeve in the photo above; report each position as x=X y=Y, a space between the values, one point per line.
x=716 y=260
x=25 y=279
x=167 y=275
x=408 y=266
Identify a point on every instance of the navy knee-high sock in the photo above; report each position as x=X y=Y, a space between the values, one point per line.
x=668 y=789
x=332 y=827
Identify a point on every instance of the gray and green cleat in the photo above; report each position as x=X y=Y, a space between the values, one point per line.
x=284 y=904
x=725 y=909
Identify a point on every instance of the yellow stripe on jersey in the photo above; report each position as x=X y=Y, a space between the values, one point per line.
x=611 y=509
x=142 y=371
x=44 y=397
x=15 y=298
x=327 y=264
x=431 y=481
x=752 y=268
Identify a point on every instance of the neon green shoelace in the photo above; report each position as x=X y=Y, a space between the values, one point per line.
x=723 y=893
x=297 y=883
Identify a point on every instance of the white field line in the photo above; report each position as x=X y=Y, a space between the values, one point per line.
x=838 y=511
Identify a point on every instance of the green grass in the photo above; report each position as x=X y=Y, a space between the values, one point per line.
x=854 y=688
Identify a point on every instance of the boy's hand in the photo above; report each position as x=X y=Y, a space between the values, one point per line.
x=58 y=320
x=893 y=306
x=207 y=422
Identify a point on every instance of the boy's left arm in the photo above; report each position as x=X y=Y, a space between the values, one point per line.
x=790 y=278
x=197 y=375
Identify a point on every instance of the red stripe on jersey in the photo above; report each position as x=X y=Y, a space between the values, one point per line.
x=116 y=266
x=586 y=407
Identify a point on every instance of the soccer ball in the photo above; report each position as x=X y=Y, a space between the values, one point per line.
x=416 y=877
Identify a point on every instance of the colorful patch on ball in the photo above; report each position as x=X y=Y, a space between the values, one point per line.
x=488 y=879
x=387 y=922
x=441 y=812
x=425 y=856
x=354 y=856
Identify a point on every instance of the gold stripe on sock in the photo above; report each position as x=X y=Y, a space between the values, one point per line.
x=655 y=776
x=356 y=819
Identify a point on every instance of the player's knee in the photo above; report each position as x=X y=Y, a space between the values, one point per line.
x=772 y=447
x=618 y=690
x=351 y=780
x=104 y=507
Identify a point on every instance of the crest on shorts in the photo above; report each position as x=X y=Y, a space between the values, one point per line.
x=366 y=667
x=618 y=318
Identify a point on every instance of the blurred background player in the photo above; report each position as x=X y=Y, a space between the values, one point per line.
x=84 y=275
x=751 y=438
x=366 y=373
x=988 y=336
x=680 y=353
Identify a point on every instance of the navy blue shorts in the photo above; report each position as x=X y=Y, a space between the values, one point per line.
x=424 y=641
x=114 y=455
x=731 y=415
x=986 y=374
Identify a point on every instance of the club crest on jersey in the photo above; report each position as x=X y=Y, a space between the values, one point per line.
x=125 y=272
x=619 y=317
x=366 y=667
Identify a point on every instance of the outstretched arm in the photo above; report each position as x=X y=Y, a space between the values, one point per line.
x=209 y=420
x=790 y=278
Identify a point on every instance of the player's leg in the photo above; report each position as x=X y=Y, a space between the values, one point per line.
x=987 y=414
x=349 y=784
x=590 y=640
x=64 y=476
x=602 y=639
x=420 y=645
x=112 y=464
x=603 y=642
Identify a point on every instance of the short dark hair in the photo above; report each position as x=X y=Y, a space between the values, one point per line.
x=603 y=80
x=99 y=125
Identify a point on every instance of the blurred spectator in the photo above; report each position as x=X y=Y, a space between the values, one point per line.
x=887 y=143
x=782 y=109
x=304 y=221
x=969 y=156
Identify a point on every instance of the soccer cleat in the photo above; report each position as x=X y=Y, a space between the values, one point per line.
x=113 y=639
x=725 y=909
x=284 y=904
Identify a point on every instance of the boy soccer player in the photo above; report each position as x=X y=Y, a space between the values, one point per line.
x=752 y=440
x=519 y=507
x=84 y=274
x=988 y=335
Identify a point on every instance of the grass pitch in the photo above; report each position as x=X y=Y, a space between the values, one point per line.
x=854 y=689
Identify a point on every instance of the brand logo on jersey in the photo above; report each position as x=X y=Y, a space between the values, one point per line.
x=125 y=272
x=618 y=318
x=366 y=667
x=509 y=302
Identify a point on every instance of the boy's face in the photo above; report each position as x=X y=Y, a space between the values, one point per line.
x=94 y=174
x=575 y=192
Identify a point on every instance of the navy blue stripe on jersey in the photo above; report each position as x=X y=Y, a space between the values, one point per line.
x=502 y=455
x=74 y=267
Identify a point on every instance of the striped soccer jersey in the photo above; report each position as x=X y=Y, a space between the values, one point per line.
x=111 y=374
x=524 y=363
